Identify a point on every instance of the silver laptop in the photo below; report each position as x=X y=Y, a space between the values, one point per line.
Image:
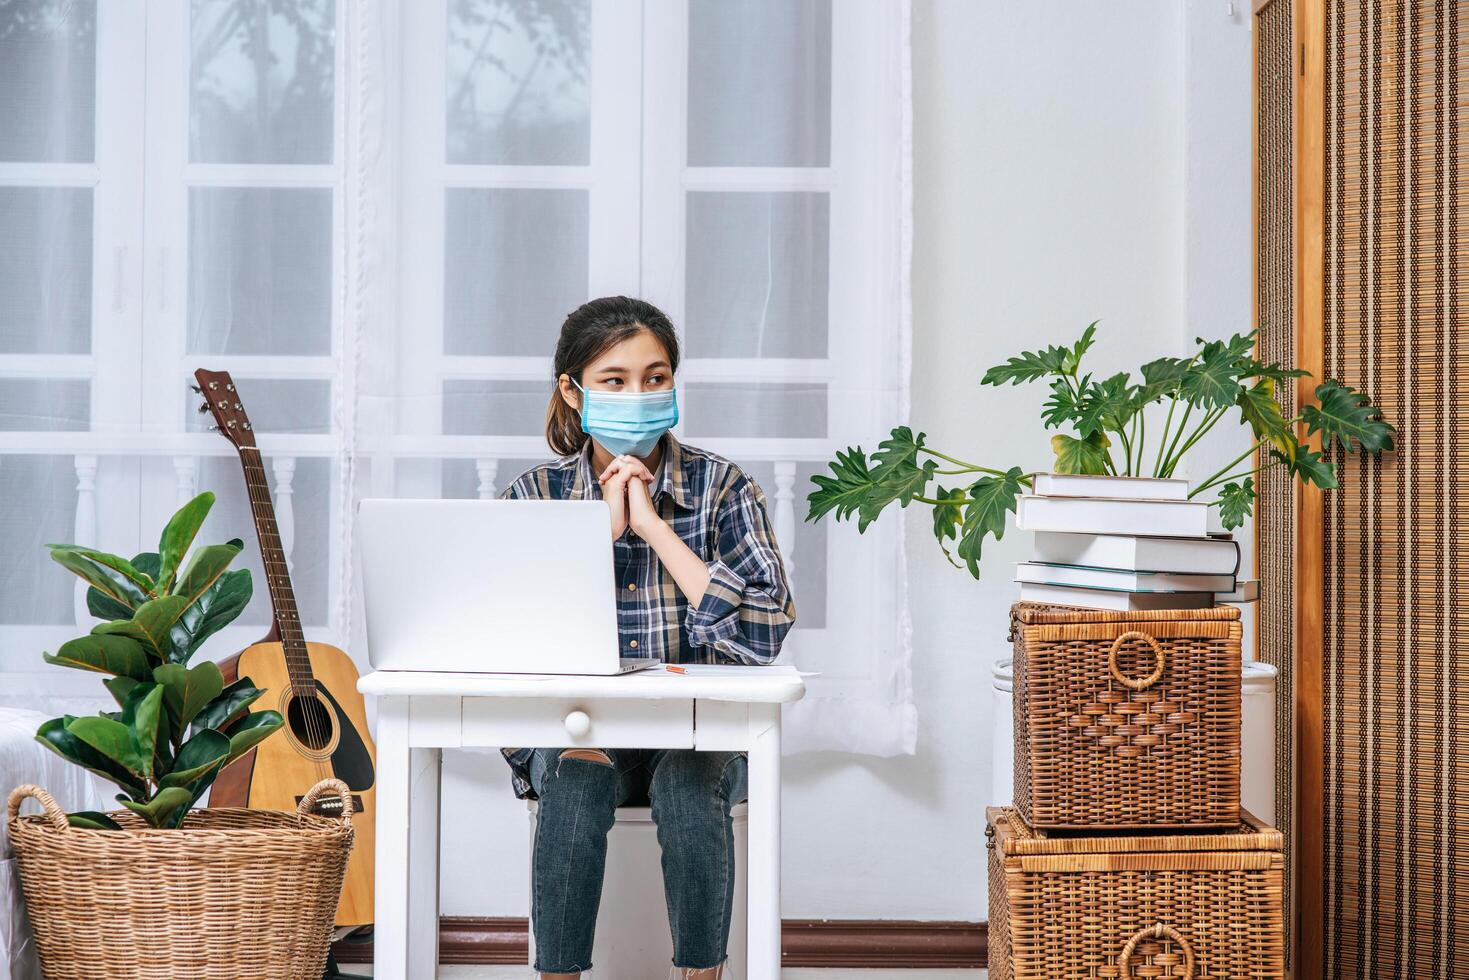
x=495 y=586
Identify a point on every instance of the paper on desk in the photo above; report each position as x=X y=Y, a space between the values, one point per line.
x=715 y=670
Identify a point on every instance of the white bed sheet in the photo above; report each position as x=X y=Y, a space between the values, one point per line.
x=24 y=760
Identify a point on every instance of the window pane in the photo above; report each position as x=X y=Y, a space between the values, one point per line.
x=460 y=478
x=311 y=554
x=756 y=278
x=495 y=408
x=37 y=505
x=760 y=83
x=261 y=81
x=517 y=82
x=515 y=266
x=260 y=269
x=45 y=270
x=273 y=405
x=753 y=410
x=808 y=555
x=48 y=80
x=45 y=405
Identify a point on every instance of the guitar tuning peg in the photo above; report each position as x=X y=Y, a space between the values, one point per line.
x=247 y=425
x=229 y=387
x=214 y=428
x=197 y=389
x=203 y=407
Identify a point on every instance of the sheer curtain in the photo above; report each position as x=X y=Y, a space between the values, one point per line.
x=376 y=215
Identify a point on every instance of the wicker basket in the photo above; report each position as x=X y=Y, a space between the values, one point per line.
x=233 y=893
x=1181 y=906
x=1128 y=720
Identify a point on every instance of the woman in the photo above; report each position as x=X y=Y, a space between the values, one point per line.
x=699 y=579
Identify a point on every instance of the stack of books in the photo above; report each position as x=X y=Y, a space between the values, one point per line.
x=1125 y=543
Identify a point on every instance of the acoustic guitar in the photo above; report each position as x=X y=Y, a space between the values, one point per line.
x=312 y=685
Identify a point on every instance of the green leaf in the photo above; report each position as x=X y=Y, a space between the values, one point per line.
x=157 y=810
x=119 y=688
x=897 y=476
x=111 y=582
x=106 y=607
x=1348 y=416
x=1212 y=381
x=54 y=735
x=1086 y=456
x=1259 y=407
x=113 y=740
x=1309 y=466
x=141 y=582
x=207 y=750
x=1272 y=371
x=177 y=535
x=229 y=705
x=251 y=731
x=948 y=516
x=150 y=624
x=1161 y=376
x=92 y=820
x=215 y=609
x=1072 y=361
x=142 y=714
x=104 y=654
x=205 y=566
x=1236 y=501
x=842 y=492
x=990 y=499
x=1107 y=404
x=186 y=690
x=1028 y=366
x=1061 y=408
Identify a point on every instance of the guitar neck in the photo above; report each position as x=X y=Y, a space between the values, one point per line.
x=277 y=576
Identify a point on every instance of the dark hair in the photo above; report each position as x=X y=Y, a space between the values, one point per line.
x=591 y=329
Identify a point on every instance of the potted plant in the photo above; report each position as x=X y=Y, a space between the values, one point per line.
x=147 y=867
x=1108 y=434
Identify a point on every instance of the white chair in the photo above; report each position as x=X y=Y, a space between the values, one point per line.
x=633 y=940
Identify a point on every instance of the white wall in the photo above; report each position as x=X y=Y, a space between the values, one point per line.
x=1072 y=161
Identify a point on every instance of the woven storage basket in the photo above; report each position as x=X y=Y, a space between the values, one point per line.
x=234 y=893
x=1182 y=906
x=1128 y=720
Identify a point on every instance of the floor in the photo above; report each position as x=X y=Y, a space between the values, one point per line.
x=521 y=973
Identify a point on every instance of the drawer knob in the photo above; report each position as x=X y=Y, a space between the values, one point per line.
x=578 y=723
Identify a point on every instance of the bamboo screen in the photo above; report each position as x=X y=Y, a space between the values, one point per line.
x=1396 y=607
x=1274 y=300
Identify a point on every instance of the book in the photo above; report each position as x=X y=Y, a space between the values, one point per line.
x=1065 y=595
x=1120 y=580
x=1117 y=487
x=1247 y=590
x=1193 y=556
x=1113 y=515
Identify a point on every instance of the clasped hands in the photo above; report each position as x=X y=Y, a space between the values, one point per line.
x=625 y=486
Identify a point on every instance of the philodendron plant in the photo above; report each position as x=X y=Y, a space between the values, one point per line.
x=1109 y=435
x=178 y=725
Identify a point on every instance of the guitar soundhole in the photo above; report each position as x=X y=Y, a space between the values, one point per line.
x=310 y=722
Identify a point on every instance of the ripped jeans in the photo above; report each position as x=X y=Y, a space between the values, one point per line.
x=691 y=795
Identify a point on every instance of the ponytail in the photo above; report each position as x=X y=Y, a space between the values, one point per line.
x=589 y=331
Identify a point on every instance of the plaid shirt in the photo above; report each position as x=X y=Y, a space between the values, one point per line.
x=717 y=511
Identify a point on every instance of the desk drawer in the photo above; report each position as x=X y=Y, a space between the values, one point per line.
x=660 y=723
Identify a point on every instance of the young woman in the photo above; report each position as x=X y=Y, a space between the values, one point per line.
x=699 y=579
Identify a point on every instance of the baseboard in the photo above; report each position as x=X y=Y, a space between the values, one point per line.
x=873 y=943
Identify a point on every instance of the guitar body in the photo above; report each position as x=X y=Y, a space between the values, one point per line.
x=327 y=738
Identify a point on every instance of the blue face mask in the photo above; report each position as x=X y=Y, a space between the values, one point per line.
x=627 y=422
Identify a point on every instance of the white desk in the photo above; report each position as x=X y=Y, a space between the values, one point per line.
x=420 y=713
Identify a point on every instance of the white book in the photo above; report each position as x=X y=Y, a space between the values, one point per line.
x=1196 y=556
x=1111 y=515
x=1120 y=580
x=1065 y=595
x=1119 y=487
x=1248 y=590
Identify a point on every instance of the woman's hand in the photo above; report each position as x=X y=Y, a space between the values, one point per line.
x=640 y=512
x=616 y=480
